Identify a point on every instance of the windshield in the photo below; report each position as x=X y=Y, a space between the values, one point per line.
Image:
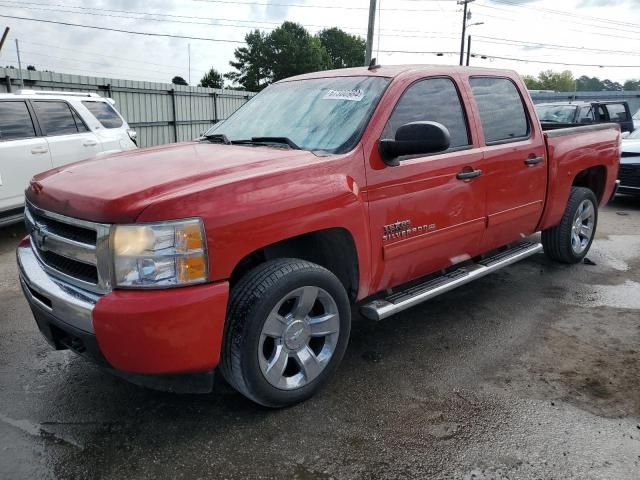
x=637 y=115
x=556 y=113
x=327 y=114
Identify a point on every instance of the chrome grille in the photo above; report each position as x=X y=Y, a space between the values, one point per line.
x=73 y=250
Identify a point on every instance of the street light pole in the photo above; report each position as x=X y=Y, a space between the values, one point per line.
x=468 y=49
x=370 y=30
x=464 y=27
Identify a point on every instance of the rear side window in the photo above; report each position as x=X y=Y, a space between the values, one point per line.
x=15 y=121
x=617 y=112
x=435 y=100
x=56 y=118
x=105 y=114
x=502 y=112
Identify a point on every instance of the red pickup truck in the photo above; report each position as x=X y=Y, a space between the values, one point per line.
x=376 y=187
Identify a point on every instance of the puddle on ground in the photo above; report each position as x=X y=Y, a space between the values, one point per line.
x=617 y=250
x=625 y=295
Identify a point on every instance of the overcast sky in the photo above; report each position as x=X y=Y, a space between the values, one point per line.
x=611 y=26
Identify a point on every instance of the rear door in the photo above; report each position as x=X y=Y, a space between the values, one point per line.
x=69 y=138
x=22 y=153
x=423 y=217
x=514 y=160
x=619 y=113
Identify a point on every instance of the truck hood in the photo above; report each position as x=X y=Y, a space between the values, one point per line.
x=117 y=188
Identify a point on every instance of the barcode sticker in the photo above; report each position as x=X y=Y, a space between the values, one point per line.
x=350 y=95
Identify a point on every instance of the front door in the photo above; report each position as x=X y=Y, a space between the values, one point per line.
x=22 y=153
x=514 y=159
x=424 y=216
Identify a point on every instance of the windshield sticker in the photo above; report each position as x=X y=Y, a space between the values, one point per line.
x=351 y=95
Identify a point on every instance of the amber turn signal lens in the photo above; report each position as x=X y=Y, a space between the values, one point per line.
x=189 y=238
x=191 y=269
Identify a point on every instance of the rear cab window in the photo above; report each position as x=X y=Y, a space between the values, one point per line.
x=617 y=112
x=57 y=118
x=104 y=113
x=502 y=111
x=435 y=100
x=15 y=121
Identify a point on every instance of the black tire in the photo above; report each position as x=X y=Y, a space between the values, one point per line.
x=557 y=240
x=251 y=302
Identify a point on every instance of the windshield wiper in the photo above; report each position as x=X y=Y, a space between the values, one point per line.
x=217 y=138
x=268 y=141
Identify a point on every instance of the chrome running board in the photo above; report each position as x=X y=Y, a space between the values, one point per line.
x=382 y=308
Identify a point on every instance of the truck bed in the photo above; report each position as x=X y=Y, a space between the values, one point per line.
x=576 y=149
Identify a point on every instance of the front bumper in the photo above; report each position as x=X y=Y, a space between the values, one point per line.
x=629 y=177
x=165 y=339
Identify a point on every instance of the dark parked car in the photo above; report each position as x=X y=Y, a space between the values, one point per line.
x=629 y=173
x=566 y=114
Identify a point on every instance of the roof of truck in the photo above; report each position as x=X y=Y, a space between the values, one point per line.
x=390 y=71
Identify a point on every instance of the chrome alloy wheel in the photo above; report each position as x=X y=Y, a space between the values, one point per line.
x=298 y=338
x=582 y=227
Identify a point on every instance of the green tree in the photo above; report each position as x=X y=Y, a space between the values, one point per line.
x=589 y=84
x=344 y=50
x=253 y=71
x=610 y=86
x=178 y=80
x=212 y=79
x=557 y=81
x=288 y=50
x=31 y=67
x=531 y=82
x=632 y=85
x=293 y=51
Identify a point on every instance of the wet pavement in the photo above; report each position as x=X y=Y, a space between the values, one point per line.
x=530 y=373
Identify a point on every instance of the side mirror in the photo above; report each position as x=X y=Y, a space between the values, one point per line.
x=414 y=138
x=625 y=134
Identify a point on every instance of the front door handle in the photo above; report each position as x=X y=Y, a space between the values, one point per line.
x=89 y=143
x=39 y=150
x=468 y=174
x=533 y=161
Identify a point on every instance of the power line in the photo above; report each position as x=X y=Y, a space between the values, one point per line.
x=302 y=5
x=230 y=25
x=551 y=46
x=599 y=20
x=148 y=34
x=525 y=60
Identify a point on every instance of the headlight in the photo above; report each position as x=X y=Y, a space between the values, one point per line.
x=160 y=255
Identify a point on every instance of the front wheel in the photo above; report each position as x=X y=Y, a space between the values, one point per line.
x=570 y=240
x=288 y=326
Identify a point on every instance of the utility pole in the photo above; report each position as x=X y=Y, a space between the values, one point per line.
x=464 y=27
x=468 y=48
x=4 y=37
x=19 y=65
x=372 y=24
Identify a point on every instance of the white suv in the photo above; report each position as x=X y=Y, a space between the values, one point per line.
x=42 y=130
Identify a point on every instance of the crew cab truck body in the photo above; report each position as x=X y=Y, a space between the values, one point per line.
x=378 y=187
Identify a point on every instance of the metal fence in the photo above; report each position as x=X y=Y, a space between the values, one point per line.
x=159 y=112
x=633 y=97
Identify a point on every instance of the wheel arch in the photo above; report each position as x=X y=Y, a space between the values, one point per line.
x=594 y=178
x=332 y=248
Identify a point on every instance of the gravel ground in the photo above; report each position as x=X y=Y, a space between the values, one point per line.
x=531 y=373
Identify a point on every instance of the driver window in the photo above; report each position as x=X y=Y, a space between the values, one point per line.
x=435 y=100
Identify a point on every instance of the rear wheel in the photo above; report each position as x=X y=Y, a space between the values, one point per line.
x=287 y=328
x=571 y=239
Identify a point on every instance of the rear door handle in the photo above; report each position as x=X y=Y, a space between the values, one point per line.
x=39 y=150
x=533 y=161
x=468 y=174
x=89 y=143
